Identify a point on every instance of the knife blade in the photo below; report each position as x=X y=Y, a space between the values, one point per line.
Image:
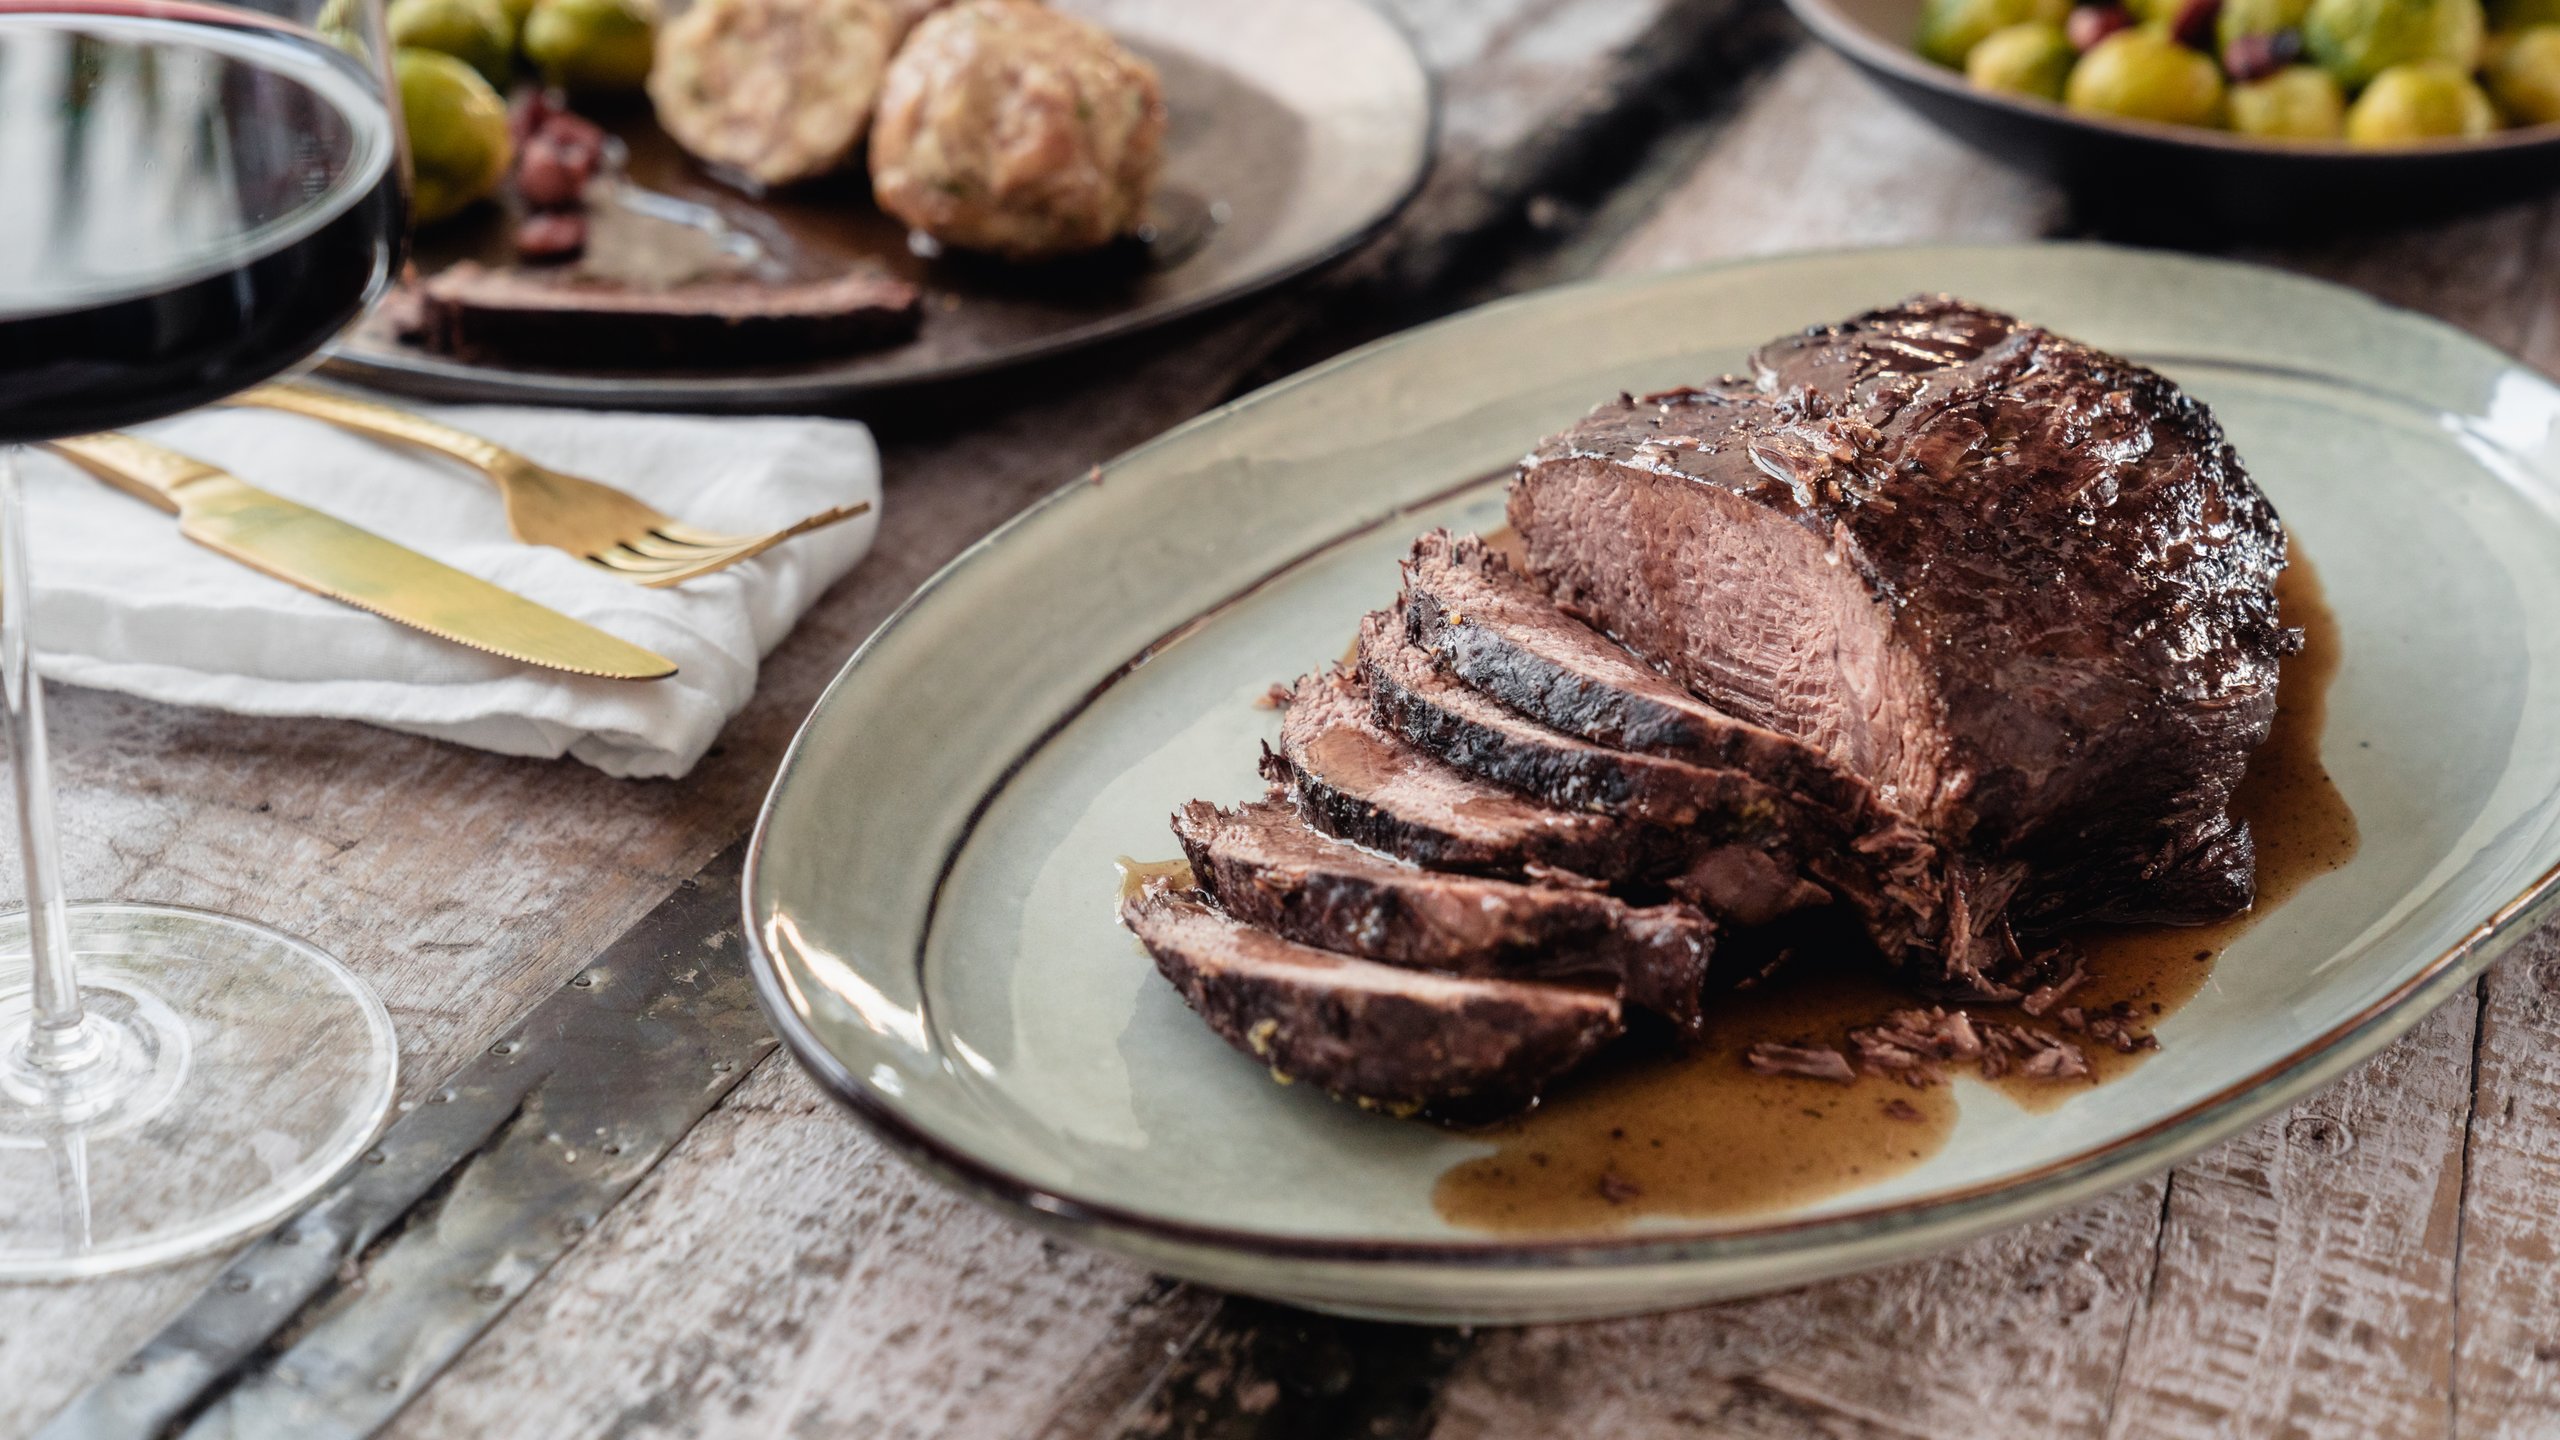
x=327 y=556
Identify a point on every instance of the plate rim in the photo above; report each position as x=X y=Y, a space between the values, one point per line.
x=1920 y=1223
x=441 y=378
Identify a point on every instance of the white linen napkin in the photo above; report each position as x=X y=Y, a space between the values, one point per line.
x=123 y=602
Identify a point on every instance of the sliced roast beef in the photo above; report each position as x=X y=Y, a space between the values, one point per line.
x=1387 y=1037
x=1265 y=867
x=1488 y=627
x=1414 y=699
x=2019 y=585
x=1352 y=779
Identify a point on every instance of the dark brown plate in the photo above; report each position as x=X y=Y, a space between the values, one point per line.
x=1297 y=128
x=2180 y=182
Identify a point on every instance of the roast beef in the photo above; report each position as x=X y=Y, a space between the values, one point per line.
x=2020 y=586
x=1351 y=778
x=1489 y=628
x=1266 y=867
x=1416 y=700
x=1386 y=1037
x=1963 y=623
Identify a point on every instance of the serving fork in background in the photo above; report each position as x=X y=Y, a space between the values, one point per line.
x=611 y=530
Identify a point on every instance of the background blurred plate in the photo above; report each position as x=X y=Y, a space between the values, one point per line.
x=1298 y=127
x=930 y=890
x=2145 y=180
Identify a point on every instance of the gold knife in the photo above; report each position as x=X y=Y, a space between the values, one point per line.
x=328 y=556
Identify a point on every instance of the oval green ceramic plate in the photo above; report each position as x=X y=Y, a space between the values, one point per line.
x=931 y=884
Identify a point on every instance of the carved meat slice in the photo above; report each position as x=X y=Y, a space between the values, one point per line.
x=1383 y=1036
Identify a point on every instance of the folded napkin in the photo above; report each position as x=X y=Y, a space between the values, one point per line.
x=123 y=602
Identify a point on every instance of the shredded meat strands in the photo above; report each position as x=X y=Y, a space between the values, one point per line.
x=1810 y=1062
x=1916 y=1046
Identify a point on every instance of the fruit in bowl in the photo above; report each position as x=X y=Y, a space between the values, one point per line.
x=2374 y=74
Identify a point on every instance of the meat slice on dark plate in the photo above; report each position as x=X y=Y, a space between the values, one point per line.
x=550 y=317
x=1387 y=1037
x=1350 y=777
x=1265 y=867
x=2018 y=584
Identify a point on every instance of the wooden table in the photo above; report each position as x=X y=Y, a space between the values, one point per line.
x=2380 y=1261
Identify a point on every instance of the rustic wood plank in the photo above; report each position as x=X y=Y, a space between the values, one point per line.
x=2015 y=1334
x=785 y=1275
x=2306 y=1267
x=2507 y=1360
x=1817 y=159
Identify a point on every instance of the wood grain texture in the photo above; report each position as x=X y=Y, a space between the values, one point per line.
x=784 y=1275
x=2306 y=1268
x=2019 y=1334
x=1819 y=160
x=2506 y=1364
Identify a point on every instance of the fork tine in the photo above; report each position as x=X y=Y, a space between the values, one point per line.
x=624 y=561
x=684 y=534
x=666 y=558
x=822 y=520
x=659 y=547
x=709 y=564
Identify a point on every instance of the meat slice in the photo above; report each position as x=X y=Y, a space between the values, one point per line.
x=1350 y=778
x=1265 y=867
x=1382 y=1036
x=1428 y=708
x=1491 y=628
x=1488 y=627
x=2020 y=586
x=470 y=311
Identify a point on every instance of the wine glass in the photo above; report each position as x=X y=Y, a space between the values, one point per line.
x=198 y=196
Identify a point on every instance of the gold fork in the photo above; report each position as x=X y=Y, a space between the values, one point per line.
x=601 y=525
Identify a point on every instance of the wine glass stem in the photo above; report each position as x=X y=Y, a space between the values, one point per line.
x=59 y=1041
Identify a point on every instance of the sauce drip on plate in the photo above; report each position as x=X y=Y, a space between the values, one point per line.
x=1699 y=1135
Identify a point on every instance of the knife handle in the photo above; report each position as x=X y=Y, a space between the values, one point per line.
x=380 y=421
x=137 y=467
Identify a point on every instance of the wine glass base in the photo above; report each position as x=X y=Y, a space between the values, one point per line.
x=250 y=1068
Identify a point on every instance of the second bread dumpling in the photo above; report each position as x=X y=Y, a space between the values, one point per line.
x=1008 y=128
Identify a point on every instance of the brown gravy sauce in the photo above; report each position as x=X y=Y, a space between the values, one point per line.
x=1700 y=1135
x=1135 y=875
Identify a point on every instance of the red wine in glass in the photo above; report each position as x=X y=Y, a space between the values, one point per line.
x=193 y=197
x=194 y=204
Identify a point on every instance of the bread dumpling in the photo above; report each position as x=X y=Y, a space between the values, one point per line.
x=1008 y=128
x=777 y=90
